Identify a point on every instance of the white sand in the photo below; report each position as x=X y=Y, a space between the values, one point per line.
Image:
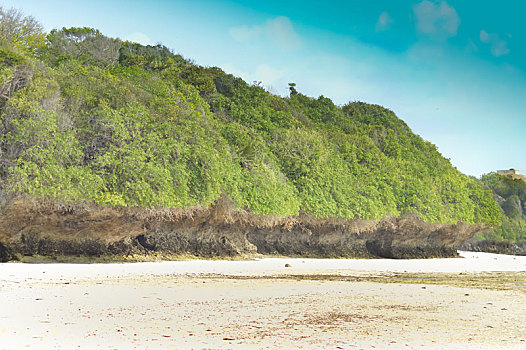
x=469 y=262
x=174 y=305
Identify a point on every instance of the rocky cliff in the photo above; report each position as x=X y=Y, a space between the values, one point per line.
x=28 y=229
x=496 y=247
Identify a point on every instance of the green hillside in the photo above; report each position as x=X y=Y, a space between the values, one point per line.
x=511 y=196
x=89 y=118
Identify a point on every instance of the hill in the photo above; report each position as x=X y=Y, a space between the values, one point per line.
x=510 y=194
x=87 y=119
x=510 y=236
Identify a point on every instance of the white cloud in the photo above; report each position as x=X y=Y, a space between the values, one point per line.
x=384 y=22
x=245 y=33
x=484 y=36
x=439 y=21
x=140 y=38
x=497 y=45
x=279 y=31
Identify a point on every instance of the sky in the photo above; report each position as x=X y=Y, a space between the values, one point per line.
x=454 y=71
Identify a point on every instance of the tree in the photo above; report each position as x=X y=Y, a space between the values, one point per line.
x=87 y=45
x=23 y=32
x=292 y=88
x=148 y=57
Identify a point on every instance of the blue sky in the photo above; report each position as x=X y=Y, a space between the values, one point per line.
x=455 y=71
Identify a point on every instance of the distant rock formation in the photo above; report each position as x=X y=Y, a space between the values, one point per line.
x=512 y=174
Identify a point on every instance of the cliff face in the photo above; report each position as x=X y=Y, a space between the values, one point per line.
x=28 y=229
x=496 y=247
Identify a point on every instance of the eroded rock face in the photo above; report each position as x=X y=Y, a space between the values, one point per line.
x=29 y=229
x=395 y=238
x=497 y=247
x=5 y=254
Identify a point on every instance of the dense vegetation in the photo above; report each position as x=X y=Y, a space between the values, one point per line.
x=510 y=194
x=90 y=118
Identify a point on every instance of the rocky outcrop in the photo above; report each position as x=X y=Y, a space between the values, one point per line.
x=404 y=237
x=28 y=229
x=497 y=247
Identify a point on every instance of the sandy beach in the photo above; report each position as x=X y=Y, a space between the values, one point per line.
x=473 y=302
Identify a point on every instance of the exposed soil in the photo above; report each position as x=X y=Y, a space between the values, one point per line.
x=35 y=229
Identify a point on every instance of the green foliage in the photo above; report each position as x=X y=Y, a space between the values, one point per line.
x=86 y=45
x=131 y=125
x=10 y=58
x=511 y=196
x=148 y=57
x=48 y=164
x=292 y=89
x=20 y=32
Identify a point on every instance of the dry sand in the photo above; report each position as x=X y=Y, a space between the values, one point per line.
x=323 y=304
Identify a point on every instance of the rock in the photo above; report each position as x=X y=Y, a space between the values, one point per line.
x=216 y=232
x=496 y=247
x=5 y=254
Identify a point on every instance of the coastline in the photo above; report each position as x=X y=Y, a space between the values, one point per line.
x=314 y=303
x=467 y=262
x=217 y=231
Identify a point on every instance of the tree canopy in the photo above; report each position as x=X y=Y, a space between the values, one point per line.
x=23 y=32
x=119 y=123
x=510 y=194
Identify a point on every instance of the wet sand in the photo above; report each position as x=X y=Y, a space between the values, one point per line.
x=469 y=303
